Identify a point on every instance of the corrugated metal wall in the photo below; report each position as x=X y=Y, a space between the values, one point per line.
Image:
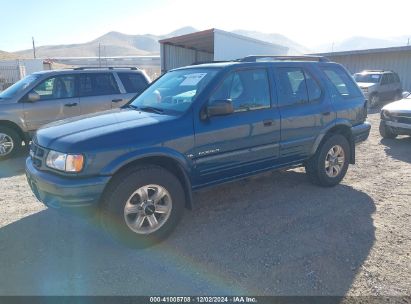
x=174 y=57
x=399 y=62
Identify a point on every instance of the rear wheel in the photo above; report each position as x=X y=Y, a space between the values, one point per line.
x=330 y=163
x=386 y=131
x=10 y=142
x=142 y=206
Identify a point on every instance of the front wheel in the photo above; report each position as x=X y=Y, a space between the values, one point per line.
x=386 y=131
x=330 y=163
x=10 y=143
x=142 y=206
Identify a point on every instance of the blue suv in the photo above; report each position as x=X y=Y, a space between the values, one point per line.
x=196 y=127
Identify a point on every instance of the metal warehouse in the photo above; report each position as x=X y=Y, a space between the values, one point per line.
x=397 y=59
x=212 y=45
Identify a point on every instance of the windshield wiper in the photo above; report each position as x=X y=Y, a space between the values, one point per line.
x=150 y=109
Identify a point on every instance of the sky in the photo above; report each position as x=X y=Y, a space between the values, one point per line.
x=310 y=23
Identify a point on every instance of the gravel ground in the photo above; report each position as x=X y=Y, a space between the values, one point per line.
x=275 y=234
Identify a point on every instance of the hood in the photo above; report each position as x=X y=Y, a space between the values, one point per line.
x=403 y=105
x=363 y=85
x=114 y=127
x=7 y=101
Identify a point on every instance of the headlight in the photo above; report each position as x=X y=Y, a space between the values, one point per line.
x=385 y=115
x=65 y=162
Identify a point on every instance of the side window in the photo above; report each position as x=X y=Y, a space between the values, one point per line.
x=296 y=86
x=133 y=82
x=314 y=90
x=97 y=84
x=385 y=79
x=58 y=87
x=248 y=90
x=342 y=81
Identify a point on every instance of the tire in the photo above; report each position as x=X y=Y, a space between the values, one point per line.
x=10 y=143
x=386 y=131
x=398 y=96
x=129 y=205
x=329 y=176
x=374 y=100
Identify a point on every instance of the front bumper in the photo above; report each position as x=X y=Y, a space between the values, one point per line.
x=63 y=192
x=398 y=127
x=361 y=132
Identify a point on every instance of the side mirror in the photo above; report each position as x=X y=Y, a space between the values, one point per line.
x=33 y=97
x=219 y=108
x=405 y=94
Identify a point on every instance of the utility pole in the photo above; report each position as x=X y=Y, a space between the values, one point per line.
x=408 y=43
x=34 y=48
x=332 y=48
x=99 y=55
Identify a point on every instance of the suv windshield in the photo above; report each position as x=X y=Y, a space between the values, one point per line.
x=18 y=87
x=367 y=78
x=175 y=91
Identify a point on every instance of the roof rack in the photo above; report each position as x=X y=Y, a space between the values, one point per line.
x=109 y=68
x=256 y=58
x=376 y=71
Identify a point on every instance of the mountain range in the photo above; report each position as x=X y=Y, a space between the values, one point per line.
x=119 y=44
x=362 y=43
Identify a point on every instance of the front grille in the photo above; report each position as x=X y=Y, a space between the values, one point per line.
x=402 y=118
x=37 y=155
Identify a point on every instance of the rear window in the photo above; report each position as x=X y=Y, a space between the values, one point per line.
x=133 y=82
x=342 y=82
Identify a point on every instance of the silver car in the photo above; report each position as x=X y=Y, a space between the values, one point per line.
x=48 y=96
x=379 y=85
x=396 y=118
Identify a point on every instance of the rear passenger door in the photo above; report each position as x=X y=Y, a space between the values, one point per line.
x=98 y=91
x=304 y=110
x=133 y=83
x=386 y=86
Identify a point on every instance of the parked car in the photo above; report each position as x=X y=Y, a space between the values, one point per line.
x=196 y=127
x=379 y=85
x=396 y=118
x=48 y=96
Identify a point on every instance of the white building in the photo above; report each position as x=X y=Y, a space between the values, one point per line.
x=212 y=45
x=12 y=71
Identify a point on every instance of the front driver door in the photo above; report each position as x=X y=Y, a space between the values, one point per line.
x=234 y=145
x=58 y=100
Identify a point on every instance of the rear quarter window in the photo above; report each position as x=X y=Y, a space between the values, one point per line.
x=342 y=81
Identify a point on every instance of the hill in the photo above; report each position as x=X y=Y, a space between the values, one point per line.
x=6 y=56
x=112 y=44
x=362 y=43
x=294 y=47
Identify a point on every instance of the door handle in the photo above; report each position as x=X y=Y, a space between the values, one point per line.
x=268 y=123
x=326 y=113
x=117 y=100
x=71 y=104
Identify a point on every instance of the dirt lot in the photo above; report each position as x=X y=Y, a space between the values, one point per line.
x=275 y=234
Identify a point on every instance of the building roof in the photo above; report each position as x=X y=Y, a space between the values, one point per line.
x=369 y=51
x=204 y=40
